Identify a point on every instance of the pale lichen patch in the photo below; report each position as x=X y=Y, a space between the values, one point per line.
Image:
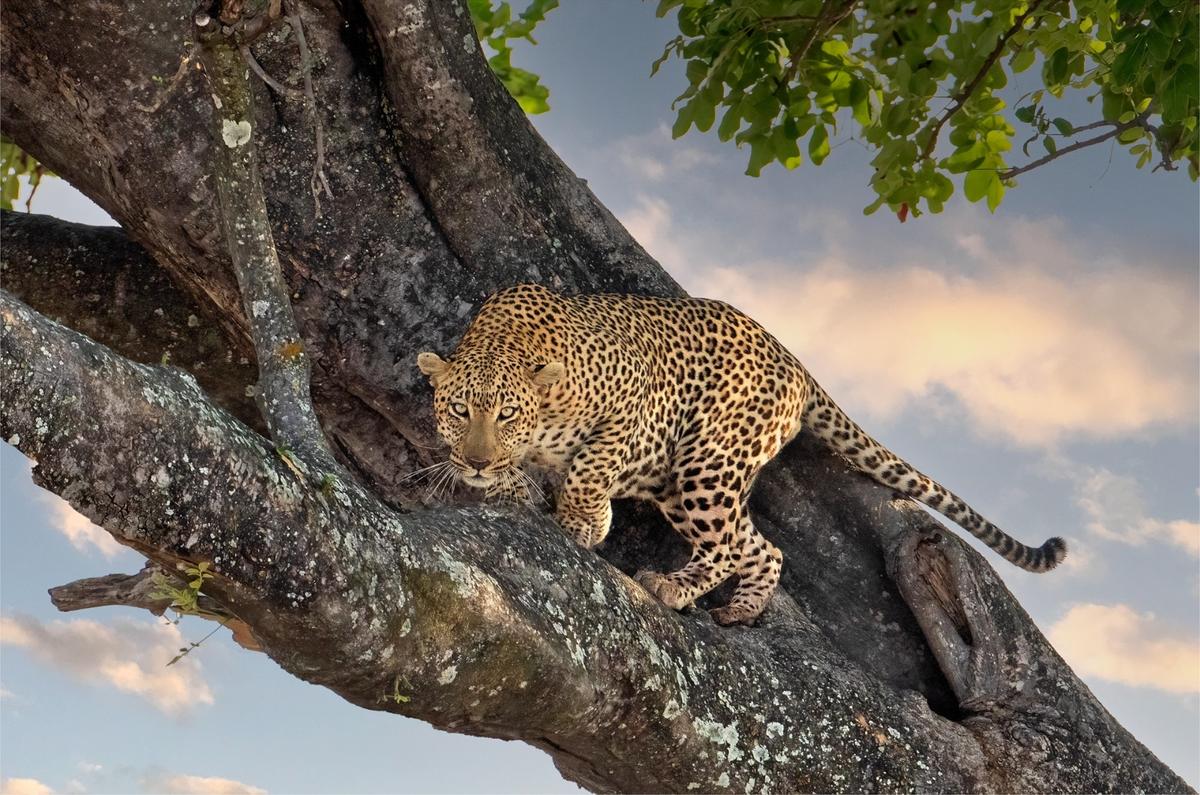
x=235 y=133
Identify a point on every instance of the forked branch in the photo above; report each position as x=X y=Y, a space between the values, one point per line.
x=968 y=90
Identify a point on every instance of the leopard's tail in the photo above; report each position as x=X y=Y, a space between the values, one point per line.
x=844 y=436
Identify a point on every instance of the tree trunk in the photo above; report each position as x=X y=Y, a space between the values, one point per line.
x=891 y=658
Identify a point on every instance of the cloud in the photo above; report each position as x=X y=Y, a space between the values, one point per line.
x=653 y=155
x=1117 y=644
x=78 y=529
x=24 y=786
x=198 y=785
x=1117 y=511
x=1012 y=326
x=129 y=655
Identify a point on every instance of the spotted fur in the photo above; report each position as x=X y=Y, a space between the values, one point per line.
x=677 y=401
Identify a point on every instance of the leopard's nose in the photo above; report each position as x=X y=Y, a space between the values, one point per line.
x=479 y=463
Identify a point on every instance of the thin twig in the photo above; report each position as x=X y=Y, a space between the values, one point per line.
x=1137 y=121
x=961 y=97
x=1093 y=126
x=318 y=179
x=164 y=94
x=35 y=182
x=193 y=645
x=256 y=67
x=823 y=24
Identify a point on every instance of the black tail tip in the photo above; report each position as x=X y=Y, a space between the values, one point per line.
x=1052 y=553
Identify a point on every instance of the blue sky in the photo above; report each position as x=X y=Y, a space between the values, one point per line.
x=1042 y=362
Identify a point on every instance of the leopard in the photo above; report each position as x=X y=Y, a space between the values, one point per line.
x=676 y=401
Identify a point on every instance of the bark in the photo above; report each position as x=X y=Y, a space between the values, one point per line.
x=892 y=658
x=104 y=285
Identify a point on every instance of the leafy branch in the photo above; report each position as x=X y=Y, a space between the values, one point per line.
x=496 y=27
x=1053 y=152
x=15 y=163
x=965 y=93
x=184 y=598
x=768 y=80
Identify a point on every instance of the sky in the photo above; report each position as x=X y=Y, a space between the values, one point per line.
x=1043 y=362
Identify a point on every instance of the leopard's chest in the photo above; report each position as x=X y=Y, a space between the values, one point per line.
x=553 y=446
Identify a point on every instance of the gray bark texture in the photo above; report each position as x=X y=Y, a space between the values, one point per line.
x=892 y=657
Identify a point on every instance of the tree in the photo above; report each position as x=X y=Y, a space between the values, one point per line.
x=334 y=188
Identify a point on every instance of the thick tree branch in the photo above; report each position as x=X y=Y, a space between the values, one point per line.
x=140 y=591
x=99 y=282
x=126 y=590
x=284 y=394
x=489 y=622
x=495 y=204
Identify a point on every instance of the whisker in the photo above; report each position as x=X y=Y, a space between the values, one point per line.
x=429 y=477
x=422 y=471
x=446 y=484
x=539 y=493
x=532 y=489
x=437 y=481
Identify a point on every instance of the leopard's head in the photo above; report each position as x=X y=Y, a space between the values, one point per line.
x=487 y=408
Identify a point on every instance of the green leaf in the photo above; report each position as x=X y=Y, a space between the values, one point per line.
x=1063 y=126
x=666 y=5
x=1026 y=114
x=1181 y=94
x=835 y=47
x=966 y=158
x=998 y=141
x=1023 y=59
x=787 y=151
x=859 y=101
x=672 y=46
x=1058 y=64
x=495 y=27
x=761 y=153
x=995 y=192
x=977 y=184
x=703 y=113
x=730 y=123
x=1050 y=145
x=682 y=122
x=818 y=145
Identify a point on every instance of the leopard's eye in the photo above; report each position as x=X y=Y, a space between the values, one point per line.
x=460 y=409
x=508 y=412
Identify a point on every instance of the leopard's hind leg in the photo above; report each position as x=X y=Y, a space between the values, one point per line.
x=758 y=575
x=706 y=511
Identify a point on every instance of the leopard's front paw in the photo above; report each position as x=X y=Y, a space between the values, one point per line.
x=587 y=530
x=581 y=531
x=584 y=537
x=664 y=589
x=730 y=614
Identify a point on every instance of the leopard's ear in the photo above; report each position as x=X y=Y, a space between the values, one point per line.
x=432 y=365
x=547 y=374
